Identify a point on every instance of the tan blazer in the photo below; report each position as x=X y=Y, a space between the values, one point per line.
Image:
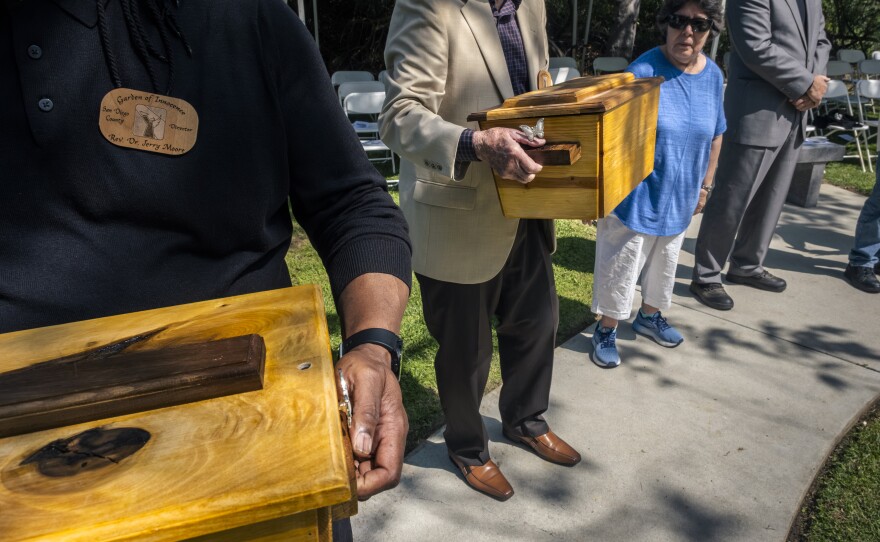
x=444 y=61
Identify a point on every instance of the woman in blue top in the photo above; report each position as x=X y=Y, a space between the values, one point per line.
x=643 y=235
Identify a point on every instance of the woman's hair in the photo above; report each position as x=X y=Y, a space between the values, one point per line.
x=713 y=9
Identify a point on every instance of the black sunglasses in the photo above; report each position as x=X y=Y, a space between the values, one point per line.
x=698 y=24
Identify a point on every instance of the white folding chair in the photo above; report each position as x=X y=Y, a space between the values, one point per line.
x=875 y=55
x=560 y=75
x=838 y=69
x=609 y=64
x=351 y=87
x=562 y=62
x=853 y=56
x=837 y=92
x=869 y=89
x=348 y=76
x=370 y=103
x=870 y=68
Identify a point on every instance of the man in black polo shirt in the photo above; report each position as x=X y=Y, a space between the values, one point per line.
x=90 y=226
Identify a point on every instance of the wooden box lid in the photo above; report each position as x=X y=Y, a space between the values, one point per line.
x=202 y=467
x=593 y=94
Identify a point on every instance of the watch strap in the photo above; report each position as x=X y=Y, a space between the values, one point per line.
x=382 y=337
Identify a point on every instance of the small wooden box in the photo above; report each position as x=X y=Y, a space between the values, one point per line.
x=613 y=120
x=271 y=464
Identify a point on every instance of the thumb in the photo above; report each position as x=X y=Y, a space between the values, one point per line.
x=366 y=398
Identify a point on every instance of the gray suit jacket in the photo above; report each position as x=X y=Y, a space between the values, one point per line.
x=445 y=61
x=774 y=59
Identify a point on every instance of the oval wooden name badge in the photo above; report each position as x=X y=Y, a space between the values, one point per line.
x=149 y=122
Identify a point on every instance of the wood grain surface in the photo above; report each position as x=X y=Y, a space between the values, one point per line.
x=579 y=96
x=544 y=79
x=209 y=466
x=617 y=152
x=629 y=134
x=569 y=92
x=111 y=381
x=555 y=154
x=557 y=191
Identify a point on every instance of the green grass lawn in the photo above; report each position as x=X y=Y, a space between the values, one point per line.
x=846 y=505
x=573 y=269
x=848 y=174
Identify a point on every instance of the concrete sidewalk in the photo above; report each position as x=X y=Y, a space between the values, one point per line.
x=717 y=439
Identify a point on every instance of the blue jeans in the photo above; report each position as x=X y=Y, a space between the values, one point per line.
x=866 y=250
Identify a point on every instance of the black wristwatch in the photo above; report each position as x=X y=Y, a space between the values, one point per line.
x=384 y=338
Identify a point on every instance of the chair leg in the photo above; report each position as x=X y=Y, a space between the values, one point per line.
x=866 y=135
x=859 y=149
x=877 y=142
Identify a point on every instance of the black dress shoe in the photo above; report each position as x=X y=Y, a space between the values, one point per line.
x=862 y=278
x=712 y=295
x=762 y=281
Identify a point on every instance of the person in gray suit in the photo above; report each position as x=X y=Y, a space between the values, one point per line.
x=777 y=68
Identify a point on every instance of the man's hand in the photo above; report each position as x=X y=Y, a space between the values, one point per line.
x=500 y=148
x=379 y=423
x=813 y=97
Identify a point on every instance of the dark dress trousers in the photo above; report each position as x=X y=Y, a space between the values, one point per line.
x=522 y=297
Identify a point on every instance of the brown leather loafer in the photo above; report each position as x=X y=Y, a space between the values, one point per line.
x=549 y=447
x=486 y=479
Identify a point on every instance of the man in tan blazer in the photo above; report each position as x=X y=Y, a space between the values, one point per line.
x=446 y=59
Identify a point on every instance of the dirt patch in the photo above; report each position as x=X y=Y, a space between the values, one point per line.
x=297 y=240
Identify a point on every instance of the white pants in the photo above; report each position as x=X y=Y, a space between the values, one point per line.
x=621 y=256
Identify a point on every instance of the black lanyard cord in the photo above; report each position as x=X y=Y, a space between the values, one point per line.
x=162 y=17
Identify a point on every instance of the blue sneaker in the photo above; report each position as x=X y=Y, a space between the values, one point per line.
x=657 y=328
x=604 y=352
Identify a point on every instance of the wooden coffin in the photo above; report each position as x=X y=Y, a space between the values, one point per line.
x=268 y=464
x=607 y=124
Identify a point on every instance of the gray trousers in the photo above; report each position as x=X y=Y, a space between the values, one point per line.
x=741 y=215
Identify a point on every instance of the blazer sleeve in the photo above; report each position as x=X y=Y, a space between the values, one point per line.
x=823 y=46
x=752 y=36
x=417 y=60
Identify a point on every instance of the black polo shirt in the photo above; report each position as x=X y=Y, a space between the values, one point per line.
x=89 y=229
